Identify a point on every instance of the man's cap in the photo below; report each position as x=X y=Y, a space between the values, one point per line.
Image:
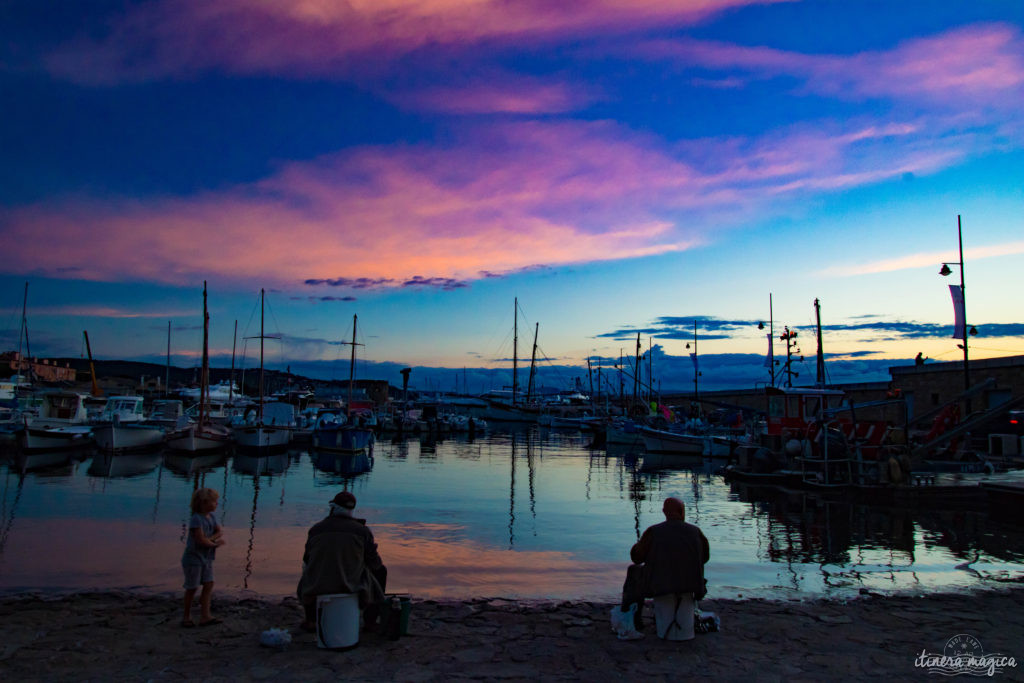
x=345 y=500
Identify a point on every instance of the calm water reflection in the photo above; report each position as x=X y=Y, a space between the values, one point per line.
x=531 y=514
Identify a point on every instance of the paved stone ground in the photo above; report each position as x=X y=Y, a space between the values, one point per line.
x=137 y=637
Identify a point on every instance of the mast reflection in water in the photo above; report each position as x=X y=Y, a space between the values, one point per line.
x=527 y=513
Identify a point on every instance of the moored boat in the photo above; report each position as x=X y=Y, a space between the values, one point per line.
x=62 y=423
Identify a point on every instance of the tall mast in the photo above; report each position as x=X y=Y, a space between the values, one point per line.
x=533 y=365
x=23 y=331
x=515 y=350
x=636 y=371
x=696 y=372
x=92 y=369
x=351 y=368
x=771 y=338
x=204 y=377
x=234 y=344
x=650 y=369
x=821 y=351
x=167 y=378
x=259 y=413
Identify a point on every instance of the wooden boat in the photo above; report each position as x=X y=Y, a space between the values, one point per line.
x=680 y=443
x=203 y=435
x=349 y=432
x=271 y=430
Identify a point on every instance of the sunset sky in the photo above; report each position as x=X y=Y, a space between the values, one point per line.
x=617 y=165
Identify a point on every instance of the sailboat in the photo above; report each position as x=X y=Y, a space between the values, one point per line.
x=505 y=407
x=272 y=429
x=344 y=432
x=202 y=435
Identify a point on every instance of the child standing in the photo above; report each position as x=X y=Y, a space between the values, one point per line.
x=204 y=536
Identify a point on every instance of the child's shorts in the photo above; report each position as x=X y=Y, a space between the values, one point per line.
x=196 y=574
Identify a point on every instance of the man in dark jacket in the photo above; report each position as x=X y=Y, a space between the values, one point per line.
x=669 y=558
x=341 y=557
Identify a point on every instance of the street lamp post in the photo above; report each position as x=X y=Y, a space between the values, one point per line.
x=962 y=313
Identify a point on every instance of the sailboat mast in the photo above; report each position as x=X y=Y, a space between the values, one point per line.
x=515 y=350
x=167 y=378
x=821 y=351
x=650 y=369
x=231 y=386
x=92 y=369
x=204 y=377
x=636 y=372
x=259 y=415
x=771 y=338
x=696 y=372
x=533 y=365
x=352 y=367
x=23 y=331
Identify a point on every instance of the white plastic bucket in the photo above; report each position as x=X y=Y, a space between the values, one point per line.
x=664 y=611
x=337 y=621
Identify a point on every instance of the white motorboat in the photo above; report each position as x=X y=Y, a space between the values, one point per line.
x=62 y=423
x=121 y=426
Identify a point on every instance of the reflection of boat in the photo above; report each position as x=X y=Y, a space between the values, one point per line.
x=27 y=461
x=121 y=427
x=260 y=464
x=187 y=465
x=109 y=465
x=62 y=423
x=344 y=464
x=668 y=461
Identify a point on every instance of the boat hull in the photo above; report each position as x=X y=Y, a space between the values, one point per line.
x=262 y=439
x=343 y=439
x=193 y=439
x=55 y=438
x=112 y=438
x=657 y=441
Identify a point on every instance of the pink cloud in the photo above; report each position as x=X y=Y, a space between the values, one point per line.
x=982 y=62
x=323 y=37
x=504 y=94
x=505 y=198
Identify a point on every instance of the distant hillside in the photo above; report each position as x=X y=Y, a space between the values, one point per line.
x=274 y=380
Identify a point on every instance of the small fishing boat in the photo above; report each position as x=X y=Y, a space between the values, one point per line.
x=121 y=426
x=62 y=423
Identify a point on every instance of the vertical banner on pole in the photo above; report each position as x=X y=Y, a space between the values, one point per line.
x=958 y=311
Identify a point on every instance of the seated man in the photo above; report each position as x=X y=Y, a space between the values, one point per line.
x=669 y=560
x=341 y=557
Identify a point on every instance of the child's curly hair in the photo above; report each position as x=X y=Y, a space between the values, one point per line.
x=200 y=497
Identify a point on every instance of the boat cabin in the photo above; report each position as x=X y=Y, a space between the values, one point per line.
x=122 y=409
x=63 y=406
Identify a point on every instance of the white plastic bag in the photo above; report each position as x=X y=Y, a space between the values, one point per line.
x=623 y=625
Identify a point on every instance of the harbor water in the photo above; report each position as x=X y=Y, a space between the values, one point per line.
x=527 y=514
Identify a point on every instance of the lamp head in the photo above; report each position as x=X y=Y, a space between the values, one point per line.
x=760 y=325
x=974 y=331
x=944 y=271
